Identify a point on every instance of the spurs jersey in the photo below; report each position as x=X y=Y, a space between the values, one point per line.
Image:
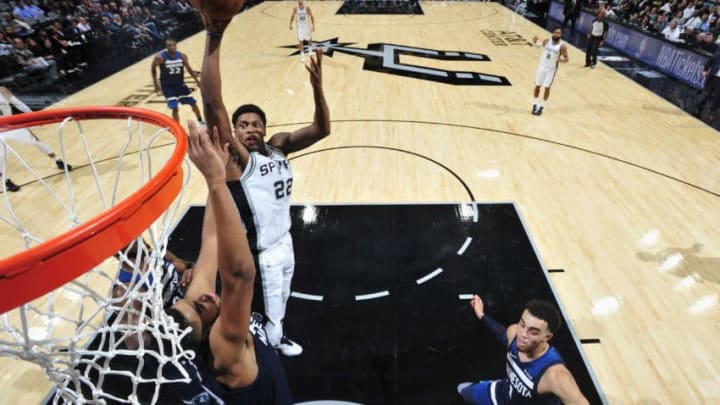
x=172 y=69
x=551 y=54
x=523 y=377
x=262 y=196
x=301 y=18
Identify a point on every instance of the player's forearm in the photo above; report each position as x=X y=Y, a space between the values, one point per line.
x=211 y=88
x=322 y=113
x=233 y=249
x=496 y=328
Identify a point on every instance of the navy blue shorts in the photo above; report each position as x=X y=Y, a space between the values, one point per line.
x=175 y=94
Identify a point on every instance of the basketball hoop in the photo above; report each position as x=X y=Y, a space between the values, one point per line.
x=43 y=268
x=68 y=318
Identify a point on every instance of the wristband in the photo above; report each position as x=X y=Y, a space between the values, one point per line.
x=214 y=34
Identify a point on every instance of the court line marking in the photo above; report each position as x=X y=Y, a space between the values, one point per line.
x=428 y=276
x=309 y=297
x=464 y=247
x=363 y=297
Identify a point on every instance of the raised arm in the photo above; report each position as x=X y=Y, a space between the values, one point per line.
x=559 y=381
x=498 y=330
x=290 y=142
x=205 y=270
x=235 y=262
x=190 y=70
x=216 y=114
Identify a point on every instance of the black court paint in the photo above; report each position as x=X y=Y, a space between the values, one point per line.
x=391 y=327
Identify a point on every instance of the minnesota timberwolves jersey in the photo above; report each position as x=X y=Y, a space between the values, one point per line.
x=551 y=54
x=523 y=377
x=172 y=70
x=269 y=388
x=262 y=196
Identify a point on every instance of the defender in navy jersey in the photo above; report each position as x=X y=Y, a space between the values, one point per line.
x=235 y=362
x=535 y=371
x=172 y=65
x=261 y=181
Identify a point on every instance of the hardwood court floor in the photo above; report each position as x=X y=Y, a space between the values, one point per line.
x=618 y=187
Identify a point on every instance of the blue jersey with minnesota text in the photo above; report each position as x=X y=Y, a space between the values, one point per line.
x=523 y=377
x=172 y=69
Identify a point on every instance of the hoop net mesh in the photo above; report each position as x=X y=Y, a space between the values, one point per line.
x=98 y=339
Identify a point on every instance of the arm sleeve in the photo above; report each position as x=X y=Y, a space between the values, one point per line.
x=498 y=330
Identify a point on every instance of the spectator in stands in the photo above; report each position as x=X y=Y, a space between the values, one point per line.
x=6 y=48
x=27 y=11
x=708 y=43
x=83 y=26
x=110 y=26
x=672 y=32
x=659 y=25
x=667 y=7
x=31 y=63
x=695 y=21
x=149 y=21
x=610 y=12
x=688 y=36
x=571 y=12
x=21 y=28
x=704 y=23
x=713 y=14
x=711 y=87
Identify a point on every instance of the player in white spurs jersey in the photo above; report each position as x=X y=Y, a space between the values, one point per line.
x=21 y=135
x=260 y=181
x=554 y=52
x=305 y=23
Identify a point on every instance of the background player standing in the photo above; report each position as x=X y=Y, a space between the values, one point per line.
x=555 y=51
x=22 y=135
x=172 y=65
x=305 y=23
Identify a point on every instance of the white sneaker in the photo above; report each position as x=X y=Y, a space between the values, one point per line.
x=288 y=348
x=302 y=57
x=462 y=386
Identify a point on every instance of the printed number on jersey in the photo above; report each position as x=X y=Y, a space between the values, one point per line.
x=282 y=188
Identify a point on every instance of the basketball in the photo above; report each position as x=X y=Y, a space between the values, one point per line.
x=218 y=9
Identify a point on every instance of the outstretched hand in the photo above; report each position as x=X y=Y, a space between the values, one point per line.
x=208 y=154
x=477 y=304
x=315 y=68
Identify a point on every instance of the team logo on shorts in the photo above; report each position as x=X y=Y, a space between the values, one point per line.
x=385 y=58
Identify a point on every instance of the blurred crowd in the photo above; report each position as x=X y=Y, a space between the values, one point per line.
x=47 y=42
x=693 y=23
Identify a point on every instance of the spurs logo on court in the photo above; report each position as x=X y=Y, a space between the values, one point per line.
x=385 y=58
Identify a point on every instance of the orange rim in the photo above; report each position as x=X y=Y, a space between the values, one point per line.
x=33 y=273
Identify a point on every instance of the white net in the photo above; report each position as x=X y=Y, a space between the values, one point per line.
x=104 y=336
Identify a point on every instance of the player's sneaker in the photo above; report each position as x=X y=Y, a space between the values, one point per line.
x=10 y=186
x=539 y=111
x=62 y=165
x=288 y=348
x=462 y=386
x=534 y=110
